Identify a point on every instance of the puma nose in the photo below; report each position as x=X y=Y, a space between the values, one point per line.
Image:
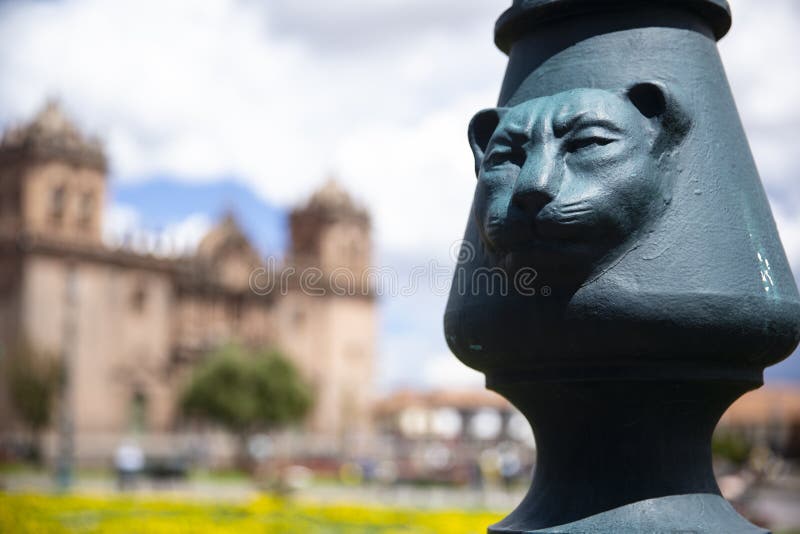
x=537 y=184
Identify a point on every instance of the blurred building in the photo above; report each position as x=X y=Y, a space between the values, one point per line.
x=767 y=417
x=132 y=324
x=456 y=436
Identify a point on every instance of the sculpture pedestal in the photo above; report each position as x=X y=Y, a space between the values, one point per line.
x=681 y=514
x=623 y=456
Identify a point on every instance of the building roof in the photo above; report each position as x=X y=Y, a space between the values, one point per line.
x=52 y=121
x=768 y=404
x=462 y=399
x=52 y=135
x=227 y=233
x=332 y=200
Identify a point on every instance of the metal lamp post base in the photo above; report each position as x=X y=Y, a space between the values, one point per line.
x=701 y=513
x=623 y=456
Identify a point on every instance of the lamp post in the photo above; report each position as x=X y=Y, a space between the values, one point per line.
x=66 y=426
x=648 y=288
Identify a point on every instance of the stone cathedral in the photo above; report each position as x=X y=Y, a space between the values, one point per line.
x=134 y=323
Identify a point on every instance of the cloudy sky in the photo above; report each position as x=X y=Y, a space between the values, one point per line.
x=211 y=104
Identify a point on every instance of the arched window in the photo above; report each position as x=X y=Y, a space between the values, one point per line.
x=86 y=210
x=355 y=251
x=139 y=297
x=57 y=203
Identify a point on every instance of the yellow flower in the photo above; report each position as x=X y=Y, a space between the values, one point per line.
x=22 y=514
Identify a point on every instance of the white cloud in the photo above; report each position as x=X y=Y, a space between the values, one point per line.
x=418 y=178
x=279 y=93
x=184 y=236
x=445 y=371
x=761 y=55
x=119 y=221
x=788 y=221
x=202 y=89
x=124 y=226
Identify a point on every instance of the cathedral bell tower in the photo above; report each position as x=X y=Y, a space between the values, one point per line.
x=331 y=322
x=331 y=232
x=52 y=180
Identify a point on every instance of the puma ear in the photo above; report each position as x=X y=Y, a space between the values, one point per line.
x=481 y=128
x=655 y=102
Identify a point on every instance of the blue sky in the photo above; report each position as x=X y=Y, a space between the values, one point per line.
x=208 y=104
x=161 y=202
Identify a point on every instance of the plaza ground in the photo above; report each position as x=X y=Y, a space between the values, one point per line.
x=229 y=502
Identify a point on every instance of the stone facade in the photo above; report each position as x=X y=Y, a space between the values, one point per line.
x=136 y=323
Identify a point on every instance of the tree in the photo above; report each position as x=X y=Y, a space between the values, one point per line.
x=34 y=381
x=246 y=391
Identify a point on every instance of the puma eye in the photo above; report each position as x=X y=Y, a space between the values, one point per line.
x=496 y=159
x=584 y=142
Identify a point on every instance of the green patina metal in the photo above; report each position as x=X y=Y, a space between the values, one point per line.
x=615 y=172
